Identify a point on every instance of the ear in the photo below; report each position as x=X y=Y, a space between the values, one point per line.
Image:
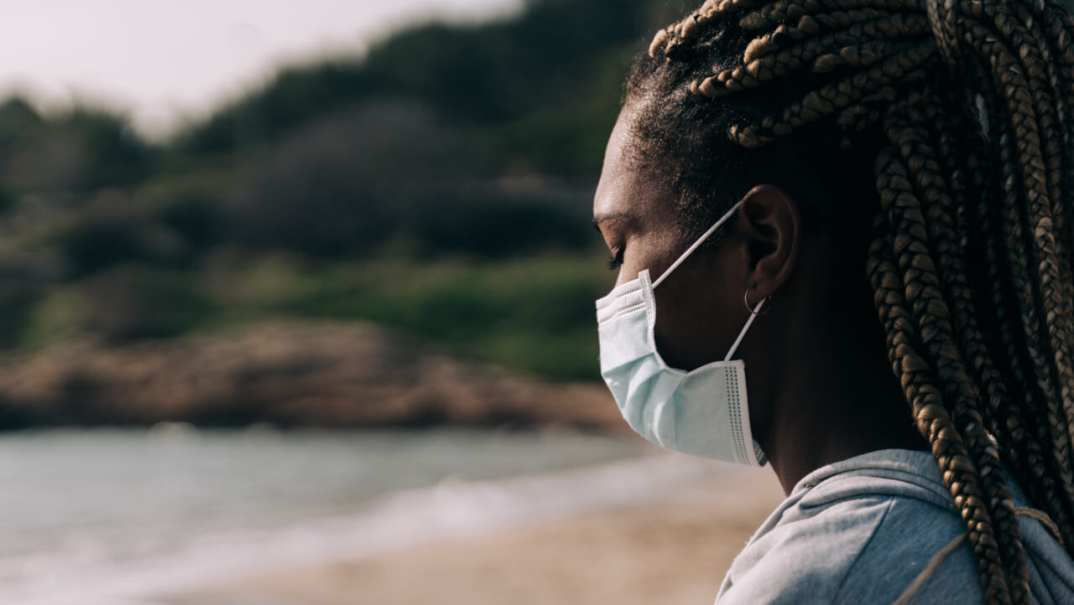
x=771 y=225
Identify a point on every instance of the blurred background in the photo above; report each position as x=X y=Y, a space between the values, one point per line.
x=296 y=307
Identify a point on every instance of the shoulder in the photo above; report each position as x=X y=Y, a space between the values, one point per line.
x=912 y=533
x=842 y=543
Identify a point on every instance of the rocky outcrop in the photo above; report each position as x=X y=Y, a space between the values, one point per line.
x=338 y=375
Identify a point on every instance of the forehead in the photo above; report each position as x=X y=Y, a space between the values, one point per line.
x=627 y=187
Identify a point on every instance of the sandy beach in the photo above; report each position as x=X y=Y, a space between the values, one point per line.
x=674 y=550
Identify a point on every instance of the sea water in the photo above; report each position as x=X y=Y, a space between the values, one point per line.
x=113 y=516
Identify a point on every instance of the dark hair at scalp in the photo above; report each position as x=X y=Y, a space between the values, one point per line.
x=945 y=125
x=681 y=138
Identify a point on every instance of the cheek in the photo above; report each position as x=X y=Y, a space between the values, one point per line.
x=654 y=251
x=698 y=317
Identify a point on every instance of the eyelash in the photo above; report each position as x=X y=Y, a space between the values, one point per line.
x=616 y=260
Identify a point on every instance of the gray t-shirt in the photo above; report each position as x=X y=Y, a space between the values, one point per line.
x=862 y=530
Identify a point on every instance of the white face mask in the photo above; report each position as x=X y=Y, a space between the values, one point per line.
x=704 y=412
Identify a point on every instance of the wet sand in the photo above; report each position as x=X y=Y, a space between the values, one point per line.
x=672 y=552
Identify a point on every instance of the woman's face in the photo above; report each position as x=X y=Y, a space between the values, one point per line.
x=700 y=308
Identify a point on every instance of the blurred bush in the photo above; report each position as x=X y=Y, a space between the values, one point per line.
x=82 y=150
x=114 y=229
x=493 y=223
x=338 y=186
x=123 y=304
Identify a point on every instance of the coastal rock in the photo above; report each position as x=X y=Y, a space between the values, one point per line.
x=330 y=375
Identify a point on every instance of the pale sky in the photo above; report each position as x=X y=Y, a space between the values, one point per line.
x=166 y=61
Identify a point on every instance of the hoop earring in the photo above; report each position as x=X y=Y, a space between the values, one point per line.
x=756 y=311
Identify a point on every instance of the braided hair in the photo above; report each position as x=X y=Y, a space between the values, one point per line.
x=957 y=114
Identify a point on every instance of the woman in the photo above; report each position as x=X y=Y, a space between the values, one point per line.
x=784 y=174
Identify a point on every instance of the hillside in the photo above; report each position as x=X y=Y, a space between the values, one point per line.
x=438 y=185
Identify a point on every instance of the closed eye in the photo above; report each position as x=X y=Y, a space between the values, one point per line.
x=616 y=260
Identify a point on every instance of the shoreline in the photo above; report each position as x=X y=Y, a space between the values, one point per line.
x=519 y=529
x=671 y=543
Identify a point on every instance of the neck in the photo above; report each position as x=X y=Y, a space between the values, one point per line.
x=841 y=401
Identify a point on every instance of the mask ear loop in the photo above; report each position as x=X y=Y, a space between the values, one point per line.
x=700 y=241
x=755 y=312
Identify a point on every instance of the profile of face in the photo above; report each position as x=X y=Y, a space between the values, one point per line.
x=819 y=382
x=704 y=304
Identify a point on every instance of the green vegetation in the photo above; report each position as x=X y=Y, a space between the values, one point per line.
x=533 y=313
x=439 y=185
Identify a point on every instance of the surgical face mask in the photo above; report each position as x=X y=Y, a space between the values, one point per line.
x=704 y=412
